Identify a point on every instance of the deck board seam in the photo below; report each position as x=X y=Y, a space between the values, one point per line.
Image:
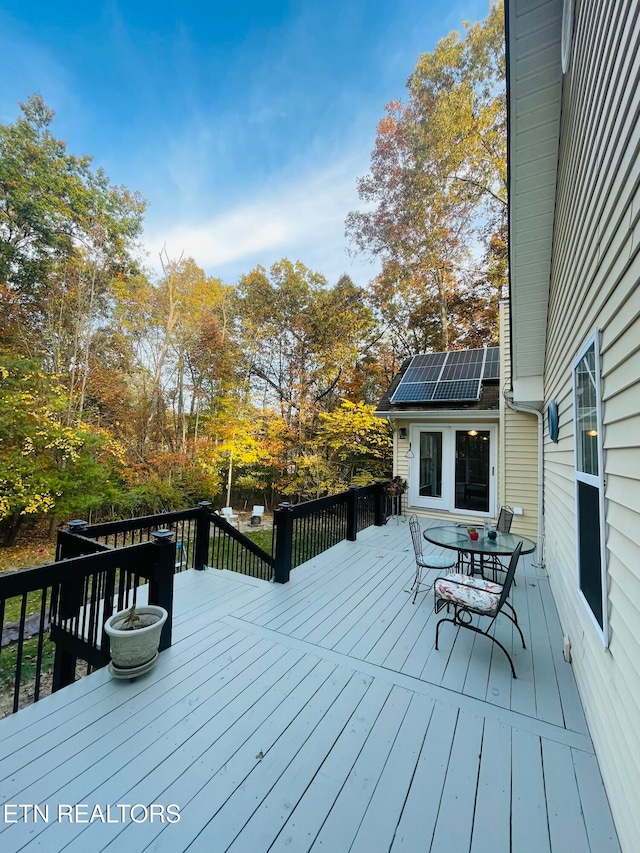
x=481 y=708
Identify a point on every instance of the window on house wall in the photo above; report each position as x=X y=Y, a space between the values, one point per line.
x=454 y=469
x=590 y=551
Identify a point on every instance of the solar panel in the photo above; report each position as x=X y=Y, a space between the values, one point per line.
x=448 y=376
x=457 y=389
x=414 y=392
x=425 y=368
x=492 y=364
x=463 y=364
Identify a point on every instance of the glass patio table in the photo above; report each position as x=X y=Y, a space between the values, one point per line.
x=457 y=538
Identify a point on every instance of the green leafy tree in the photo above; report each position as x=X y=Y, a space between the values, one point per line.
x=47 y=466
x=66 y=234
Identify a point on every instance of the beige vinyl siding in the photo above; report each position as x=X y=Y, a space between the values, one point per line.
x=518 y=448
x=521 y=470
x=594 y=284
x=400 y=461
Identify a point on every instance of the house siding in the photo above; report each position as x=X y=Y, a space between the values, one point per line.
x=594 y=285
x=518 y=448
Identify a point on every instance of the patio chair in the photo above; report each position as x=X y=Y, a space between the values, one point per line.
x=475 y=596
x=431 y=561
x=504 y=519
x=256 y=516
x=503 y=525
x=229 y=515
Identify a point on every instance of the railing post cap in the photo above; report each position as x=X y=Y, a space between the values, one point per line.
x=77 y=524
x=163 y=535
x=351 y=486
x=204 y=504
x=285 y=505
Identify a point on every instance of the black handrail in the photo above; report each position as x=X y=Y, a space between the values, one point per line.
x=230 y=549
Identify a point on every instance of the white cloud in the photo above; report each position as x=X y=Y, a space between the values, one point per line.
x=301 y=218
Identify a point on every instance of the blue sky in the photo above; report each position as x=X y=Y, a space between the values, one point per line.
x=243 y=125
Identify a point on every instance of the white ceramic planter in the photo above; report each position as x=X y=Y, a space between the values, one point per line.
x=133 y=649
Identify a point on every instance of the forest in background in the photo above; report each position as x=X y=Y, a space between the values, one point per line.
x=124 y=393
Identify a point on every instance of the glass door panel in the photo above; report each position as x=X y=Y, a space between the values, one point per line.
x=430 y=485
x=472 y=470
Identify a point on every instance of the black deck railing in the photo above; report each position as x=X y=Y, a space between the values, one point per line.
x=53 y=616
x=62 y=608
x=118 y=534
x=303 y=531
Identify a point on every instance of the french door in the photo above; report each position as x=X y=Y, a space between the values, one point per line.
x=453 y=468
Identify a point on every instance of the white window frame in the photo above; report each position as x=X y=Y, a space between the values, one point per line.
x=595 y=481
x=566 y=42
x=446 y=503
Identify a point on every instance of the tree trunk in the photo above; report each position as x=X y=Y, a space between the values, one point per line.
x=229 y=475
x=53 y=527
x=11 y=527
x=443 y=308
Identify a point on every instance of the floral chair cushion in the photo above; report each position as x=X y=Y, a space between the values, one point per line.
x=477 y=593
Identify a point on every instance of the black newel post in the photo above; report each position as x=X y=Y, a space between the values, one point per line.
x=352 y=514
x=201 y=556
x=161 y=583
x=69 y=604
x=380 y=515
x=65 y=547
x=283 y=521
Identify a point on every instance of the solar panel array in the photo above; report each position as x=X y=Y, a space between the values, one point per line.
x=448 y=376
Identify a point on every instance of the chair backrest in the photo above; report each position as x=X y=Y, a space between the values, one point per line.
x=513 y=562
x=227 y=510
x=504 y=520
x=416 y=535
x=257 y=510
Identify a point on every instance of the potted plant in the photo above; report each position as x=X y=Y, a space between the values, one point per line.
x=395 y=487
x=473 y=533
x=134 y=636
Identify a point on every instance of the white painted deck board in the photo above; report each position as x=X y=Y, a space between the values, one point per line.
x=344 y=820
x=315 y=804
x=529 y=823
x=454 y=824
x=377 y=828
x=492 y=812
x=370 y=739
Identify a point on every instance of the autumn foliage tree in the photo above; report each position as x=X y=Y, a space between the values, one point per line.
x=436 y=191
x=124 y=391
x=301 y=339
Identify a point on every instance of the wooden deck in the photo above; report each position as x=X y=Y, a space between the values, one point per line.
x=317 y=716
